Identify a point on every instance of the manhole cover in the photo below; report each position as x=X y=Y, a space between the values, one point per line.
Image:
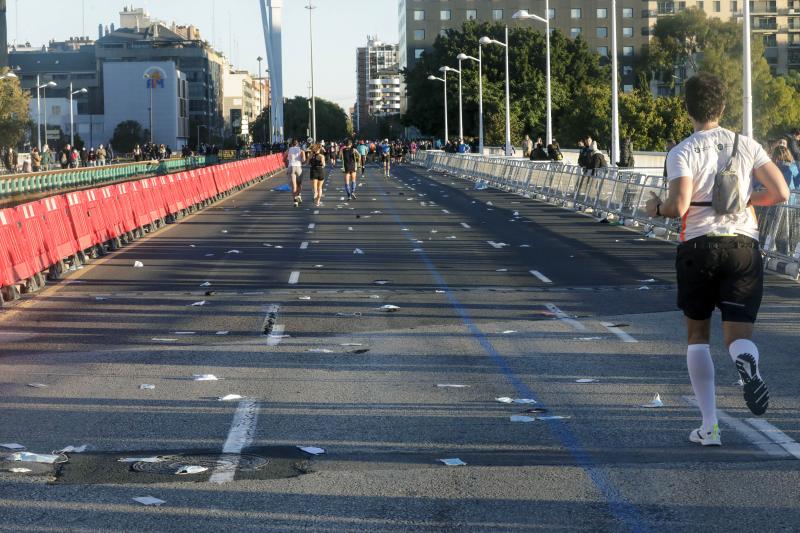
x=172 y=463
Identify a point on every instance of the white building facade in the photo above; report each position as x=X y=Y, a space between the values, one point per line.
x=378 y=81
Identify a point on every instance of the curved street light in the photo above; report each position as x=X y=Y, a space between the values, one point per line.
x=72 y=93
x=524 y=15
x=464 y=57
x=486 y=41
x=443 y=80
x=460 y=107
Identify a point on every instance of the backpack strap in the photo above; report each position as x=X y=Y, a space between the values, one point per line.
x=727 y=167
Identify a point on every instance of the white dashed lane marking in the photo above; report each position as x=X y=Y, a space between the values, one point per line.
x=542 y=277
x=312 y=226
x=304 y=245
x=776 y=435
x=276 y=335
x=623 y=336
x=240 y=436
x=565 y=318
x=294 y=277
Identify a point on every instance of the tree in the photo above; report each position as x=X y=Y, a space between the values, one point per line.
x=332 y=121
x=14 y=121
x=128 y=134
x=259 y=129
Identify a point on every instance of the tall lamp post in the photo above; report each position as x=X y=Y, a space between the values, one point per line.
x=313 y=103
x=443 y=80
x=747 y=86
x=71 y=116
x=260 y=98
x=615 y=86
x=524 y=15
x=40 y=93
x=463 y=57
x=460 y=107
x=485 y=41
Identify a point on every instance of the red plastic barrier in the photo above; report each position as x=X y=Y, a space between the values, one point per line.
x=81 y=227
x=112 y=211
x=32 y=235
x=60 y=240
x=15 y=261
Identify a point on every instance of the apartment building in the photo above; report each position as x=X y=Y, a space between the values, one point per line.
x=378 y=81
x=776 y=22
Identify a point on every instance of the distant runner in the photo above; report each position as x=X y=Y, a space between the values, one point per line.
x=386 y=149
x=317 y=165
x=295 y=157
x=363 y=150
x=350 y=160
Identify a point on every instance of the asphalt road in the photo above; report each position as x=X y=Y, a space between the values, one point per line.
x=496 y=296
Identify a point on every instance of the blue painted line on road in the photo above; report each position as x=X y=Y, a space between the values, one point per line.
x=619 y=507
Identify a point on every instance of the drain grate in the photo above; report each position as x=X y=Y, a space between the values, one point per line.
x=171 y=464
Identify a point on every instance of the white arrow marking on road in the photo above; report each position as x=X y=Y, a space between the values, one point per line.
x=294 y=277
x=624 y=337
x=241 y=434
x=564 y=317
x=542 y=277
x=304 y=245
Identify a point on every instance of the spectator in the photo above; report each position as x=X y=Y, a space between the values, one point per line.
x=788 y=166
x=36 y=160
x=10 y=160
x=554 y=152
x=626 y=154
x=137 y=153
x=92 y=157
x=793 y=143
x=597 y=160
x=539 y=153
x=47 y=157
x=74 y=158
x=101 y=155
x=527 y=147
x=64 y=156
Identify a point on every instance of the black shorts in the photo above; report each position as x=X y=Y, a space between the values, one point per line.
x=723 y=272
x=349 y=169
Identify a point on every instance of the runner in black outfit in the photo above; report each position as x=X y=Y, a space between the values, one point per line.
x=350 y=159
x=317 y=164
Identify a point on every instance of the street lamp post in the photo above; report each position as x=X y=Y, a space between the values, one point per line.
x=615 y=86
x=260 y=97
x=443 y=80
x=462 y=57
x=41 y=93
x=747 y=100
x=313 y=103
x=487 y=40
x=71 y=116
x=524 y=15
x=460 y=108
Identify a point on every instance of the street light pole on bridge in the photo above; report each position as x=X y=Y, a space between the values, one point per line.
x=313 y=103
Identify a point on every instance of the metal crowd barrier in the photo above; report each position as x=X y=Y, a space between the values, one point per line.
x=616 y=196
x=75 y=178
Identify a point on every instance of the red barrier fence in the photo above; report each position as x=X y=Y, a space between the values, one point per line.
x=41 y=235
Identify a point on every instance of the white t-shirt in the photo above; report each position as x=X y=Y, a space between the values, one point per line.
x=294 y=156
x=701 y=157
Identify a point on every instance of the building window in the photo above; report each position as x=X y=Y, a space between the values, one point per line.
x=627 y=88
x=627 y=12
x=472 y=14
x=734 y=6
x=418 y=52
x=574 y=32
x=551 y=13
x=627 y=51
x=419 y=35
x=603 y=51
x=602 y=32
x=717 y=6
x=627 y=31
x=602 y=13
x=419 y=14
x=497 y=14
x=444 y=14
x=627 y=70
x=575 y=13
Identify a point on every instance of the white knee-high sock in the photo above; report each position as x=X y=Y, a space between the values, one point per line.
x=741 y=347
x=701 y=373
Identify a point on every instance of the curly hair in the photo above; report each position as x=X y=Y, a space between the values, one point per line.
x=705 y=97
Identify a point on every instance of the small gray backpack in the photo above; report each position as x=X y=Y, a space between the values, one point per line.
x=726 y=197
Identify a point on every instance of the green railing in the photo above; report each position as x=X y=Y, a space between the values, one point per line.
x=77 y=178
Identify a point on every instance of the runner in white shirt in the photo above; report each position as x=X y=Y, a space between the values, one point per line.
x=719 y=262
x=295 y=157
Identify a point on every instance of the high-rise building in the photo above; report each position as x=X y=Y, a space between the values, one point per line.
x=776 y=22
x=378 y=80
x=242 y=102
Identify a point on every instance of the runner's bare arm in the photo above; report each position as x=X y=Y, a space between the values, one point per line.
x=678 y=199
x=777 y=192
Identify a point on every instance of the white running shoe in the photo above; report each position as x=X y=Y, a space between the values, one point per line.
x=712 y=438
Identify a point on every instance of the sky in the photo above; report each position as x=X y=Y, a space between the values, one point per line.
x=234 y=27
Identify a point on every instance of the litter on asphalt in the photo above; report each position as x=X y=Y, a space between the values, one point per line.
x=146 y=386
x=358 y=251
x=149 y=500
x=304 y=298
x=206 y=284
x=20 y=470
x=37 y=385
x=451 y=386
x=453 y=461
x=222 y=332
x=522 y=418
x=12 y=446
x=73 y=449
x=138 y=264
x=198 y=304
x=190 y=469
x=29 y=457
x=586 y=380
x=229 y=398
x=552 y=417
x=151 y=459
x=319 y=350
x=313 y=450
x=654 y=403
x=388 y=308
x=233 y=252
x=509 y=332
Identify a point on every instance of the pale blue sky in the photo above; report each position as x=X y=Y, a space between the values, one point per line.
x=340 y=26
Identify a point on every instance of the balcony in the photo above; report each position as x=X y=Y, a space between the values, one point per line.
x=764 y=8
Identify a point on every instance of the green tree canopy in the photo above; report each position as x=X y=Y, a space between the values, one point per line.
x=14 y=119
x=332 y=121
x=128 y=134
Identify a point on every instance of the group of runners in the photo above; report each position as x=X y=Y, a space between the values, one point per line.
x=351 y=156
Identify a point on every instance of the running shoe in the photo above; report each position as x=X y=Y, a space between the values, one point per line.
x=706 y=438
x=353 y=196
x=756 y=395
